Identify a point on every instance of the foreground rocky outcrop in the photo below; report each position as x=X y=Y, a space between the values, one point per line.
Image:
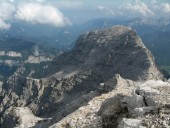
x=22 y=117
x=76 y=77
x=129 y=105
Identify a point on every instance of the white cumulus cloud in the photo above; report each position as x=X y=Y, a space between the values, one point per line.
x=165 y=7
x=69 y=4
x=106 y=10
x=41 y=14
x=6 y=13
x=6 y=10
x=4 y=25
x=138 y=8
x=153 y=1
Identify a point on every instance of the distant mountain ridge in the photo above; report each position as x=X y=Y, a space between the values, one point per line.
x=150 y=21
x=18 y=54
x=64 y=38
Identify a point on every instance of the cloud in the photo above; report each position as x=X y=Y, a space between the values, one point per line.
x=6 y=14
x=41 y=14
x=58 y=3
x=11 y=1
x=153 y=1
x=17 y=1
x=165 y=7
x=7 y=11
x=106 y=10
x=69 y=4
x=138 y=8
x=4 y=25
x=40 y=0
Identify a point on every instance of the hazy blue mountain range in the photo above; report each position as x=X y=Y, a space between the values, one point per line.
x=22 y=38
x=26 y=57
x=64 y=38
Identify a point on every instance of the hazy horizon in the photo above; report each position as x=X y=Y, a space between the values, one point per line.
x=59 y=13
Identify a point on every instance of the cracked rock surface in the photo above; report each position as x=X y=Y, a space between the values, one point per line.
x=129 y=105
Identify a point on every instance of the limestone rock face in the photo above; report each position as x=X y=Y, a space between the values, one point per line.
x=130 y=123
x=111 y=110
x=24 y=118
x=89 y=70
x=117 y=50
x=149 y=107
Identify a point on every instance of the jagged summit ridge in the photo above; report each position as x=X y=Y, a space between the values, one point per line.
x=106 y=35
x=115 y=30
x=117 y=35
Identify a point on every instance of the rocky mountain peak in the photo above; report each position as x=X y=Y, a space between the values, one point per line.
x=104 y=36
x=117 y=50
x=108 y=32
x=78 y=76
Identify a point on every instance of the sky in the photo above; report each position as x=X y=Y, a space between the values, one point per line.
x=60 y=13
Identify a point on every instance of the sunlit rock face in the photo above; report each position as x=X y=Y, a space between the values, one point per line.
x=10 y=54
x=129 y=105
x=37 y=59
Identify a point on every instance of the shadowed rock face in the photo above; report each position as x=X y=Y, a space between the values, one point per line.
x=117 y=50
x=96 y=58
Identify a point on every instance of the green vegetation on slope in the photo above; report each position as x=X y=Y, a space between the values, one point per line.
x=167 y=68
